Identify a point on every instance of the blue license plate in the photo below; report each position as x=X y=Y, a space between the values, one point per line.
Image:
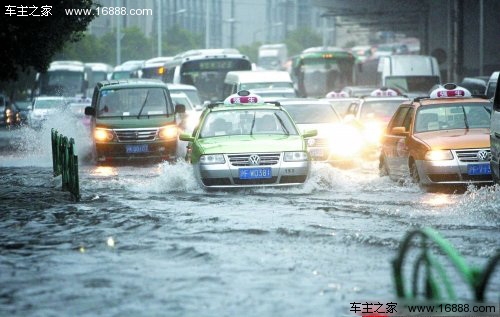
x=136 y=148
x=255 y=173
x=478 y=169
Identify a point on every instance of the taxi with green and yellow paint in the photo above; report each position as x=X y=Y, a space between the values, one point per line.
x=245 y=142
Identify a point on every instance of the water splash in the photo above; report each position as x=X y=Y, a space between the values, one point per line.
x=176 y=177
x=34 y=147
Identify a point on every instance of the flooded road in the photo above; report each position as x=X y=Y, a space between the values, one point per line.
x=147 y=241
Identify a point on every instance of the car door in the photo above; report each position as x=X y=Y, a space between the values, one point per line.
x=402 y=150
x=392 y=142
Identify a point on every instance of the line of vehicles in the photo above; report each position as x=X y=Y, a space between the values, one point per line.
x=140 y=114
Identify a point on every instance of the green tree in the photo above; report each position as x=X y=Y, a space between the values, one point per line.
x=87 y=49
x=135 y=45
x=31 y=41
x=177 y=40
x=302 y=38
x=252 y=51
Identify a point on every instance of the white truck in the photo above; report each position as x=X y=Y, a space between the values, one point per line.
x=412 y=75
x=272 y=56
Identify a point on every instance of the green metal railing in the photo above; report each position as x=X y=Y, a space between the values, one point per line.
x=65 y=163
x=435 y=279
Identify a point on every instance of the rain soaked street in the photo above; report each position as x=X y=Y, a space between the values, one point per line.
x=147 y=241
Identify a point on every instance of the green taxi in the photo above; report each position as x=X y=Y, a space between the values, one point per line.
x=245 y=142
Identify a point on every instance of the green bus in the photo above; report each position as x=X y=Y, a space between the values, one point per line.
x=319 y=70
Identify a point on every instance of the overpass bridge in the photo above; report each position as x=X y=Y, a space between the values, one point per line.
x=462 y=34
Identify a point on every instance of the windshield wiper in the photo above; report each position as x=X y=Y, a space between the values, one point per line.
x=143 y=104
x=465 y=119
x=282 y=124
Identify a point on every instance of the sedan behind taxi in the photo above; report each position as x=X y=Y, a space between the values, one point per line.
x=442 y=139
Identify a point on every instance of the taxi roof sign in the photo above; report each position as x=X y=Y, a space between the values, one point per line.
x=384 y=92
x=243 y=97
x=450 y=91
x=334 y=94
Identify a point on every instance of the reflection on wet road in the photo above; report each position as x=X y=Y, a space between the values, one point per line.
x=147 y=241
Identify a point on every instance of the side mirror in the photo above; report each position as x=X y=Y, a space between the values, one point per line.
x=180 y=108
x=310 y=133
x=399 y=131
x=90 y=111
x=186 y=137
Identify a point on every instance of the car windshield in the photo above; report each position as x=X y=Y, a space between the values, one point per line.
x=191 y=93
x=182 y=99
x=453 y=116
x=412 y=83
x=247 y=122
x=48 y=103
x=312 y=113
x=340 y=105
x=379 y=109
x=133 y=102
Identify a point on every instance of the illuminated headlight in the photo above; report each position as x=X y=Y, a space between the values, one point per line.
x=104 y=135
x=438 y=155
x=212 y=159
x=345 y=140
x=7 y=112
x=168 y=132
x=295 y=156
x=373 y=131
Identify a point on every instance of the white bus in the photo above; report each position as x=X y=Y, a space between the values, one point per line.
x=63 y=78
x=98 y=72
x=205 y=69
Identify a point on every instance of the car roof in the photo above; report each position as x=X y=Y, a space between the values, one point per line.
x=239 y=107
x=372 y=98
x=419 y=102
x=131 y=82
x=260 y=75
x=181 y=86
x=298 y=101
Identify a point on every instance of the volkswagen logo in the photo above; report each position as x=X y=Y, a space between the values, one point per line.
x=254 y=159
x=482 y=155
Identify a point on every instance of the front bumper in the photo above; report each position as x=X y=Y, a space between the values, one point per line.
x=226 y=175
x=157 y=150
x=326 y=155
x=455 y=171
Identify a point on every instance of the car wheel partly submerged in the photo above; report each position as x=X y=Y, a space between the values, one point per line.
x=415 y=177
x=414 y=173
x=382 y=168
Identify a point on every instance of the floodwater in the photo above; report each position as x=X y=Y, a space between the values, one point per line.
x=147 y=241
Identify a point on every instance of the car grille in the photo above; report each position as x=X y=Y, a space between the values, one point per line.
x=321 y=142
x=262 y=181
x=136 y=135
x=471 y=155
x=265 y=159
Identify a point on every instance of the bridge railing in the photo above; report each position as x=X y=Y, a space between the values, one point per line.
x=65 y=163
x=436 y=284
